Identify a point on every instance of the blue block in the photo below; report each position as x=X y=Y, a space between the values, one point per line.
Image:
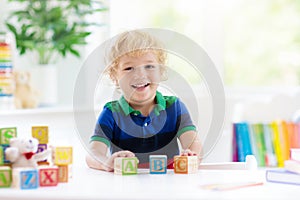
x=158 y=164
x=29 y=179
x=4 y=147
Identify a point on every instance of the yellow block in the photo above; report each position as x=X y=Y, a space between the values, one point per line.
x=40 y=133
x=62 y=155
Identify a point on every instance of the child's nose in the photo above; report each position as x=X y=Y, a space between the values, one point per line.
x=140 y=72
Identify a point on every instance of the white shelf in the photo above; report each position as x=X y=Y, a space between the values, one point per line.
x=43 y=110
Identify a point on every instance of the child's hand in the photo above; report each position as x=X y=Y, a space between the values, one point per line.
x=110 y=162
x=188 y=152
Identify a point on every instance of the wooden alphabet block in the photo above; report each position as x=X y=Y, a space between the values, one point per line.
x=40 y=133
x=48 y=176
x=5 y=176
x=1 y=155
x=5 y=146
x=158 y=164
x=6 y=134
x=62 y=155
x=25 y=178
x=125 y=165
x=185 y=164
x=64 y=173
x=41 y=148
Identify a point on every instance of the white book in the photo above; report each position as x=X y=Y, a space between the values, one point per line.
x=295 y=154
x=292 y=166
x=282 y=176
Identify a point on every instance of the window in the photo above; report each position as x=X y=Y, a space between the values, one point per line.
x=253 y=43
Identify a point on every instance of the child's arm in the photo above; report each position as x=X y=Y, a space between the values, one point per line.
x=100 y=160
x=190 y=143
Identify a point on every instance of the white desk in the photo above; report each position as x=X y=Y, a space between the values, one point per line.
x=92 y=184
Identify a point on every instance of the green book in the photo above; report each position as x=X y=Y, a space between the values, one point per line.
x=258 y=134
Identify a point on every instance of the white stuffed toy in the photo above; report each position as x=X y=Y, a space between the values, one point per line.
x=22 y=152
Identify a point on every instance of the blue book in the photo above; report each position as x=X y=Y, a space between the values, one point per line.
x=282 y=176
x=242 y=140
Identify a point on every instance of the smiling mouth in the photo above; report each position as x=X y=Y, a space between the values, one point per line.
x=138 y=86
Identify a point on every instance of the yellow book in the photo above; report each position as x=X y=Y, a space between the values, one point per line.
x=277 y=144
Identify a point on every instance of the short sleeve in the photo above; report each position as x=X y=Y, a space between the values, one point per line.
x=104 y=127
x=184 y=119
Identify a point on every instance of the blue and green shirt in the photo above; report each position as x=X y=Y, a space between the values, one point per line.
x=121 y=127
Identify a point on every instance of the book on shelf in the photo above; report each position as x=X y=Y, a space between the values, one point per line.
x=282 y=175
x=295 y=154
x=258 y=143
x=294 y=133
x=270 y=143
x=243 y=143
x=292 y=166
x=271 y=160
x=278 y=143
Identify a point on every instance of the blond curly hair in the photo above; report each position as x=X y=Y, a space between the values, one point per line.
x=134 y=43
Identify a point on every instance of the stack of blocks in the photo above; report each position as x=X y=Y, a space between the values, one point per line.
x=157 y=165
x=5 y=170
x=63 y=158
x=45 y=174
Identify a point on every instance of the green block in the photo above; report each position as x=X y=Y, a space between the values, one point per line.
x=6 y=134
x=5 y=176
x=129 y=166
x=1 y=155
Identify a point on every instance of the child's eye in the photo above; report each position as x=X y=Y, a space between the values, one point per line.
x=128 y=69
x=149 y=67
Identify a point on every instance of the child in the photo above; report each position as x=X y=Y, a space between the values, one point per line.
x=142 y=122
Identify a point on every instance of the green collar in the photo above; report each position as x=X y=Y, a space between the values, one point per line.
x=127 y=109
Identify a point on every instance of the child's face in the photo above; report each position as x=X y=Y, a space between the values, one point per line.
x=138 y=77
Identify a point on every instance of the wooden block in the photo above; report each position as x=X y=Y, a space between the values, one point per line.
x=1 y=155
x=41 y=148
x=25 y=178
x=5 y=176
x=48 y=175
x=62 y=155
x=185 y=164
x=64 y=173
x=5 y=161
x=6 y=134
x=158 y=164
x=40 y=133
x=125 y=165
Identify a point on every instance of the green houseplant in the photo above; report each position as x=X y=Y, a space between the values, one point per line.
x=52 y=28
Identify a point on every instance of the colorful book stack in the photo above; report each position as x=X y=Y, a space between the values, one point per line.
x=6 y=75
x=6 y=69
x=270 y=143
x=290 y=174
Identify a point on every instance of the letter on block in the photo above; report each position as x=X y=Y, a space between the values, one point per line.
x=185 y=164
x=5 y=176
x=62 y=155
x=40 y=133
x=48 y=176
x=41 y=148
x=25 y=178
x=125 y=166
x=6 y=134
x=5 y=146
x=158 y=164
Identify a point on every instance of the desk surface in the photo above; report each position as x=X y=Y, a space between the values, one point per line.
x=93 y=184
